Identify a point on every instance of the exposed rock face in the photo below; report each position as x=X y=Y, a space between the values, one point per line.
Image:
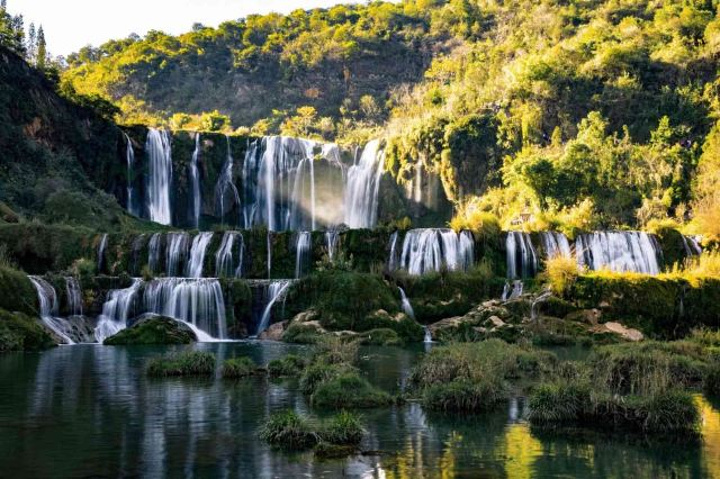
x=274 y=332
x=628 y=334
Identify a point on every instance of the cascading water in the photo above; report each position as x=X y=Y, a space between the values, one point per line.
x=555 y=244
x=522 y=259
x=101 y=252
x=176 y=252
x=332 y=239
x=137 y=246
x=130 y=159
x=49 y=311
x=405 y=302
x=154 y=247
x=194 y=175
x=199 y=302
x=159 y=176
x=363 y=186
x=225 y=265
x=302 y=253
x=279 y=184
x=197 y=255
x=116 y=311
x=393 y=260
x=432 y=249
x=74 y=296
x=276 y=290
x=512 y=291
x=225 y=183
x=618 y=251
x=692 y=247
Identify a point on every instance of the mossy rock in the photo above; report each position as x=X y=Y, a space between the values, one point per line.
x=156 y=330
x=17 y=293
x=19 y=332
x=299 y=333
x=350 y=391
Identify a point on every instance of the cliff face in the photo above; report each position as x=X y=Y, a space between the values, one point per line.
x=56 y=155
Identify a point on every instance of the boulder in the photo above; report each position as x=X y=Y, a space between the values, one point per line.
x=628 y=334
x=274 y=332
x=153 y=330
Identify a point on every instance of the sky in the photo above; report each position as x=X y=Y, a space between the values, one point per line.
x=71 y=24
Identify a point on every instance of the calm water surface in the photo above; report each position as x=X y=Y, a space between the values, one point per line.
x=84 y=411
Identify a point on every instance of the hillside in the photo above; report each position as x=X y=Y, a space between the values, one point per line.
x=553 y=114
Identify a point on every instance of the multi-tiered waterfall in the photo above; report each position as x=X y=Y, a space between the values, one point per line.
x=159 y=176
x=116 y=311
x=226 y=193
x=363 y=186
x=176 y=252
x=49 y=310
x=130 y=160
x=555 y=244
x=522 y=258
x=275 y=291
x=618 y=251
x=432 y=249
x=229 y=257
x=303 y=244
x=197 y=255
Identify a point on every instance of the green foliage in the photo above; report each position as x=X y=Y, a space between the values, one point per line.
x=188 y=363
x=17 y=292
x=381 y=337
x=288 y=430
x=464 y=396
x=348 y=390
x=241 y=367
x=158 y=330
x=345 y=428
x=19 y=332
x=290 y=365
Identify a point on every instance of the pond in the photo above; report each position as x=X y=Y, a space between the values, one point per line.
x=81 y=411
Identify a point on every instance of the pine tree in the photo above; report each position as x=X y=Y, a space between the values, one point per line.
x=31 y=44
x=41 y=54
x=3 y=5
x=18 y=40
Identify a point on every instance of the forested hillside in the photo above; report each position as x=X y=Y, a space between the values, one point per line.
x=557 y=114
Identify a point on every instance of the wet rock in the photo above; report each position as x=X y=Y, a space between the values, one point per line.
x=274 y=332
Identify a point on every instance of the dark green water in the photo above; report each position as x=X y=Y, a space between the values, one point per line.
x=89 y=411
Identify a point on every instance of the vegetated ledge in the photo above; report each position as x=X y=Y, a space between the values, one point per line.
x=153 y=330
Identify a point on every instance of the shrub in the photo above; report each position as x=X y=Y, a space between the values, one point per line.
x=318 y=373
x=335 y=350
x=465 y=395
x=22 y=333
x=189 y=363
x=301 y=334
x=290 y=365
x=343 y=429
x=289 y=431
x=348 y=390
x=561 y=272
x=381 y=337
x=238 y=367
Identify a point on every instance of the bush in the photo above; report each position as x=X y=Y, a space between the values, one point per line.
x=189 y=363
x=238 y=368
x=381 y=337
x=289 y=431
x=343 y=429
x=335 y=350
x=301 y=334
x=290 y=365
x=348 y=390
x=561 y=272
x=465 y=396
x=317 y=373
x=19 y=332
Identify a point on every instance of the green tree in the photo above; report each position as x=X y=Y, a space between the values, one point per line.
x=42 y=54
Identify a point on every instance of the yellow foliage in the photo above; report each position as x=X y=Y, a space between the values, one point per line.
x=561 y=272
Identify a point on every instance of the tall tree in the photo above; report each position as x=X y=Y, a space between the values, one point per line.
x=42 y=56
x=31 y=44
x=18 y=40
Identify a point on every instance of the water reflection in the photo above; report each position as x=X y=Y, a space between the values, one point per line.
x=90 y=410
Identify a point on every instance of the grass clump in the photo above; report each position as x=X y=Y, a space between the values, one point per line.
x=290 y=431
x=290 y=365
x=559 y=403
x=348 y=390
x=381 y=337
x=345 y=429
x=189 y=363
x=464 y=395
x=319 y=372
x=238 y=368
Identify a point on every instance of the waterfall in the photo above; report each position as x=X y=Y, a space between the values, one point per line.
x=47 y=298
x=197 y=255
x=159 y=177
x=194 y=175
x=302 y=253
x=692 y=247
x=555 y=244
x=522 y=259
x=363 y=186
x=513 y=291
x=154 y=247
x=279 y=184
x=432 y=249
x=269 y=255
x=332 y=239
x=101 y=252
x=176 y=252
x=618 y=251
x=74 y=296
x=276 y=290
x=393 y=261
x=199 y=302
x=224 y=265
x=405 y=302
x=116 y=311
x=225 y=182
x=427 y=338
x=130 y=158
x=137 y=246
